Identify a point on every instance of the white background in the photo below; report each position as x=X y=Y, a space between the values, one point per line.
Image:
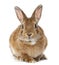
x=49 y=22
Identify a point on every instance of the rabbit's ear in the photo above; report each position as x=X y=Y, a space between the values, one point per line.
x=37 y=13
x=20 y=14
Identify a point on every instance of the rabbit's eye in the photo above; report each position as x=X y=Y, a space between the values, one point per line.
x=22 y=26
x=22 y=31
x=35 y=25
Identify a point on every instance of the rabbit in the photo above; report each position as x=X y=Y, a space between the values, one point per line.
x=28 y=41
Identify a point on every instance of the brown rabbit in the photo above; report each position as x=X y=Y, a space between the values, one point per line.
x=28 y=41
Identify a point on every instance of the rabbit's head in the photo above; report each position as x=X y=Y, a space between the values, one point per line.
x=29 y=26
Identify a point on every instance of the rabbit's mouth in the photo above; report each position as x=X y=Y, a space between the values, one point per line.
x=29 y=39
x=32 y=41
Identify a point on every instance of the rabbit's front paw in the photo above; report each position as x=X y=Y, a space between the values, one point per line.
x=27 y=58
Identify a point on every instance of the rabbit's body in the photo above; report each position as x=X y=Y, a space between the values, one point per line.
x=28 y=42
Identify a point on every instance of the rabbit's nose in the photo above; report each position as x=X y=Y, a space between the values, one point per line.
x=29 y=34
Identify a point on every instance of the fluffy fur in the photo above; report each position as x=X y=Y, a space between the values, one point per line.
x=28 y=41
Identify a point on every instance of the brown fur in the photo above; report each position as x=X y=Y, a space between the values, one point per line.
x=24 y=49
